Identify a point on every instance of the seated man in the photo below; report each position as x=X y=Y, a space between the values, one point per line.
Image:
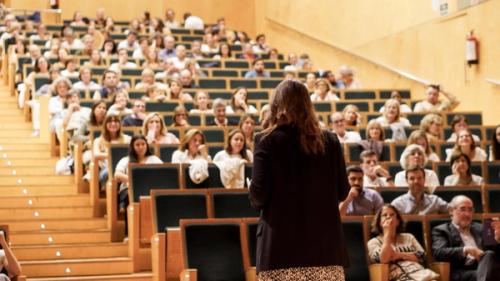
x=337 y=122
x=360 y=200
x=138 y=114
x=432 y=102
x=258 y=70
x=374 y=174
x=220 y=120
x=416 y=201
x=459 y=242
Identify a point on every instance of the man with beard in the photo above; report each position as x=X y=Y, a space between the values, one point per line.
x=360 y=200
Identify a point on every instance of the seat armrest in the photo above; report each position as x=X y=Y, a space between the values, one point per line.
x=251 y=274
x=379 y=272
x=443 y=268
x=189 y=274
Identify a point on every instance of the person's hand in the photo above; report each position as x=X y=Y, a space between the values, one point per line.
x=203 y=150
x=475 y=252
x=141 y=115
x=74 y=107
x=454 y=169
x=381 y=172
x=353 y=193
x=495 y=225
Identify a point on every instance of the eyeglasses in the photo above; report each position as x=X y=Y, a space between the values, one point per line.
x=465 y=209
x=338 y=121
x=140 y=105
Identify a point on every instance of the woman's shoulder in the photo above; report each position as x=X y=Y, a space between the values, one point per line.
x=153 y=159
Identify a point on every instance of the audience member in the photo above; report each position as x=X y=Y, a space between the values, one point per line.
x=375 y=137
x=347 y=80
x=432 y=125
x=414 y=155
x=148 y=80
x=186 y=79
x=403 y=108
x=122 y=61
x=247 y=53
x=224 y=52
x=85 y=82
x=360 y=200
x=219 y=110
x=392 y=119
x=465 y=144
x=155 y=130
x=330 y=77
x=260 y=46
x=239 y=102
x=461 y=174
x=310 y=82
x=143 y=50
x=192 y=147
x=119 y=105
x=75 y=117
x=247 y=126
x=61 y=86
x=169 y=50
x=352 y=115
x=403 y=253
x=180 y=118
x=70 y=41
x=110 y=85
x=420 y=137
x=138 y=114
x=495 y=145
x=432 y=102
x=337 y=123
x=460 y=242
x=170 y=20
x=235 y=148
x=459 y=123
x=374 y=174
x=210 y=46
x=417 y=201
x=322 y=91
x=201 y=103
x=258 y=70
x=176 y=92
x=193 y=22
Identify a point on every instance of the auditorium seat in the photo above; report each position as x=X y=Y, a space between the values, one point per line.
x=212 y=83
x=492 y=197
x=473 y=118
x=165 y=151
x=359 y=95
x=443 y=169
x=231 y=203
x=356 y=248
x=144 y=177
x=213 y=180
x=213 y=134
x=493 y=172
x=474 y=193
x=390 y=193
x=386 y=94
x=167 y=106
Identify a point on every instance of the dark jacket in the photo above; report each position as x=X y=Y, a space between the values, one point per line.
x=230 y=122
x=298 y=196
x=447 y=245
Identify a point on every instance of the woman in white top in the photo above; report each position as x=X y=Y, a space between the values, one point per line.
x=139 y=152
x=465 y=144
x=322 y=91
x=239 y=103
x=432 y=125
x=458 y=124
x=176 y=93
x=192 y=147
x=420 y=137
x=201 y=102
x=351 y=115
x=155 y=130
x=86 y=83
x=414 y=155
x=247 y=126
x=120 y=102
x=235 y=148
x=392 y=118
x=461 y=174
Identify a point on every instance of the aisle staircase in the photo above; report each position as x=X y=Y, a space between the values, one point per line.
x=52 y=230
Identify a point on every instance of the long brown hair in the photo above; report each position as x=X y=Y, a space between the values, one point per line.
x=291 y=104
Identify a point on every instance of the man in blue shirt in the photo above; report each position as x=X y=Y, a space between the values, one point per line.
x=258 y=70
x=360 y=200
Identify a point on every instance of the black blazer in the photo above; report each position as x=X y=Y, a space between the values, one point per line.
x=298 y=196
x=230 y=122
x=447 y=245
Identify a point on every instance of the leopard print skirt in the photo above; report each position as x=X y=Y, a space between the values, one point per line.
x=334 y=273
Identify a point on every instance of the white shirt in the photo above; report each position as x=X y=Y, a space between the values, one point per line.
x=122 y=165
x=250 y=109
x=77 y=44
x=223 y=155
x=378 y=181
x=403 y=108
x=431 y=179
x=349 y=137
x=452 y=180
x=116 y=66
x=479 y=154
x=329 y=97
x=453 y=138
x=92 y=86
x=56 y=106
x=124 y=45
x=194 y=22
x=183 y=157
x=78 y=118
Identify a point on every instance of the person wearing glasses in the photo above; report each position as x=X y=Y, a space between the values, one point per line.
x=337 y=124
x=138 y=114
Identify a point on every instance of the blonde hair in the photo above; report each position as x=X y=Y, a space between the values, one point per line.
x=428 y=119
x=390 y=102
x=188 y=136
x=374 y=124
x=163 y=128
x=415 y=135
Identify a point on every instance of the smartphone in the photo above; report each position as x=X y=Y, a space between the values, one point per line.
x=488 y=233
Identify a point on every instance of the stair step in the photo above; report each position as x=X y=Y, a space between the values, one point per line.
x=60 y=237
x=69 y=251
x=77 y=267
x=36 y=146
x=30 y=190
x=57 y=224
x=18 y=126
x=28 y=162
x=27 y=171
x=45 y=213
x=14 y=155
x=30 y=140
x=13 y=180
x=77 y=200
x=114 y=277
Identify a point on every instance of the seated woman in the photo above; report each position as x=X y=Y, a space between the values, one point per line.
x=374 y=138
x=414 y=155
x=461 y=174
x=97 y=116
x=119 y=106
x=180 y=118
x=139 y=152
x=432 y=125
x=95 y=59
x=322 y=91
x=459 y=123
x=192 y=147
x=231 y=160
x=265 y=113
x=85 y=82
x=151 y=59
x=154 y=94
x=176 y=93
x=392 y=118
x=466 y=144
x=403 y=108
x=495 y=145
x=400 y=250
x=224 y=52
x=420 y=137
x=201 y=103
x=247 y=126
x=9 y=266
x=351 y=115
x=148 y=79
x=155 y=130
x=70 y=68
x=111 y=134
x=239 y=102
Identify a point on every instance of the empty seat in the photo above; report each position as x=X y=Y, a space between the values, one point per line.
x=169 y=206
x=247 y=83
x=167 y=106
x=322 y=106
x=493 y=197
x=143 y=178
x=237 y=64
x=212 y=83
x=474 y=193
x=268 y=83
x=227 y=203
x=213 y=135
x=359 y=95
x=165 y=152
x=220 y=94
x=224 y=73
x=362 y=105
x=214 y=249
x=116 y=153
x=493 y=172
